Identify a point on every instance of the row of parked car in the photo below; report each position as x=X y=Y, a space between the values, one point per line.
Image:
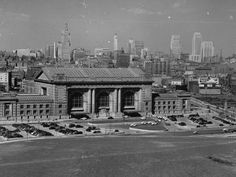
x=31 y=130
x=199 y=120
x=61 y=129
x=9 y=134
x=222 y=120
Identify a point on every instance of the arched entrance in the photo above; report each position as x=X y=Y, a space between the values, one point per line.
x=128 y=101
x=103 y=104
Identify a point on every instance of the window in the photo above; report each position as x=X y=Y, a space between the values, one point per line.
x=41 y=106
x=34 y=112
x=7 y=113
x=41 y=111
x=164 y=102
x=173 y=102
x=60 y=106
x=47 y=105
x=28 y=112
x=47 y=111
x=77 y=101
x=34 y=106
x=168 y=102
x=43 y=91
x=103 y=100
x=28 y=106
x=22 y=106
x=21 y=112
x=129 y=99
x=7 y=106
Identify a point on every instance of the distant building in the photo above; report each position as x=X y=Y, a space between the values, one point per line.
x=209 y=85
x=115 y=40
x=207 y=51
x=5 y=80
x=157 y=67
x=131 y=47
x=139 y=45
x=196 y=47
x=102 y=52
x=144 y=53
x=66 y=45
x=175 y=46
x=25 y=52
x=123 y=60
x=167 y=103
x=50 y=51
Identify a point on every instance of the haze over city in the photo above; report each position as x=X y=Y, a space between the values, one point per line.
x=35 y=23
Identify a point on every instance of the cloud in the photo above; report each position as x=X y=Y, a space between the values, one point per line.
x=141 y=11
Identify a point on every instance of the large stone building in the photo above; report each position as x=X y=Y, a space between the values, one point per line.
x=93 y=91
x=174 y=103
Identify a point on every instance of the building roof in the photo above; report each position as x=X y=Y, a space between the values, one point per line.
x=92 y=74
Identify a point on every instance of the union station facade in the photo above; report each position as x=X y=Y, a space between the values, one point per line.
x=96 y=92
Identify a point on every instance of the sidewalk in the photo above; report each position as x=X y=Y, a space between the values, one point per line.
x=33 y=120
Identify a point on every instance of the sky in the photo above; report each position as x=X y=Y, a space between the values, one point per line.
x=37 y=23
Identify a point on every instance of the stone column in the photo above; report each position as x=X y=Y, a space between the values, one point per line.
x=115 y=100
x=119 y=100
x=110 y=102
x=89 y=101
x=93 y=101
x=140 y=100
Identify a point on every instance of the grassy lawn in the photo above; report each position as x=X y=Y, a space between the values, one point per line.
x=132 y=156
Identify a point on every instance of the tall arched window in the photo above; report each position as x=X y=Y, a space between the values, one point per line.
x=103 y=100
x=129 y=99
x=77 y=101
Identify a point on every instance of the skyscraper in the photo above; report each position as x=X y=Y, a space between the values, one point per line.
x=207 y=51
x=66 y=44
x=139 y=45
x=115 y=40
x=196 y=47
x=131 y=47
x=175 y=46
x=196 y=43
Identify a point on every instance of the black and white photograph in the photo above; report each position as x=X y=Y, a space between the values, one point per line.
x=117 y=88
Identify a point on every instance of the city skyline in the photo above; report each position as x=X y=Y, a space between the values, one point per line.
x=34 y=24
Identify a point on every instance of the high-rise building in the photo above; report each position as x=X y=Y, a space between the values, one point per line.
x=139 y=45
x=131 y=47
x=207 y=51
x=115 y=40
x=196 y=43
x=144 y=53
x=175 y=46
x=66 y=44
x=196 y=47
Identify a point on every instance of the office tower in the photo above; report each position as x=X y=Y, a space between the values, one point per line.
x=115 y=40
x=139 y=45
x=175 y=46
x=123 y=60
x=131 y=47
x=196 y=47
x=144 y=53
x=207 y=51
x=196 y=43
x=54 y=50
x=66 y=44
